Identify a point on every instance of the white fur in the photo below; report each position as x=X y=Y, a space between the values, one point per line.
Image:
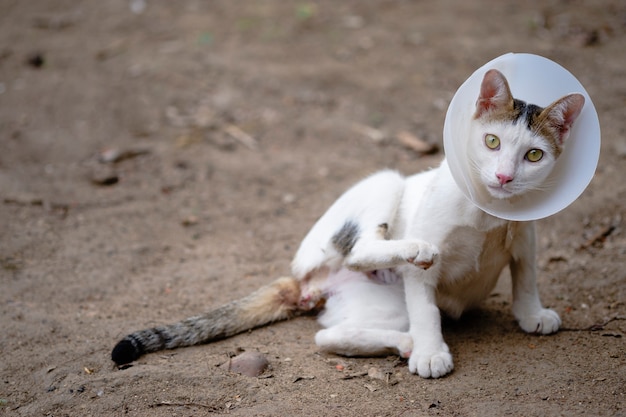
x=468 y=248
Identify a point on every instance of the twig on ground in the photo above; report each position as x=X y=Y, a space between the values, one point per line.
x=598 y=237
x=594 y=327
x=186 y=404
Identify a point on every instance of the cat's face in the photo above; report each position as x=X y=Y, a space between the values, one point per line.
x=514 y=145
x=509 y=159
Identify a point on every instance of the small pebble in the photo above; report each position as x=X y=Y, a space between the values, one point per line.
x=248 y=363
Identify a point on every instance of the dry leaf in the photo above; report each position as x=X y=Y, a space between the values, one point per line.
x=415 y=144
x=242 y=137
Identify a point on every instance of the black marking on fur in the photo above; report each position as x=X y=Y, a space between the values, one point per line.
x=346 y=237
x=163 y=336
x=526 y=112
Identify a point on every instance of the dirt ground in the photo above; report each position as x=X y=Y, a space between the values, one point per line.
x=160 y=158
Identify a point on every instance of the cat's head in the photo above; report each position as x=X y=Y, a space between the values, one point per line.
x=514 y=145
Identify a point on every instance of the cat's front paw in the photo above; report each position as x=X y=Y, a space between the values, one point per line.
x=421 y=254
x=431 y=364
x=544 y=321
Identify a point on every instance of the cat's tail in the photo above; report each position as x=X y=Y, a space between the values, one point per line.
x=276 y=301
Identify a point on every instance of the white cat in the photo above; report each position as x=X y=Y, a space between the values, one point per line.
x=393 y=252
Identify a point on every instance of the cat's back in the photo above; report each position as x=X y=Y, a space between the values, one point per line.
x=418 y=188
x=422 y=180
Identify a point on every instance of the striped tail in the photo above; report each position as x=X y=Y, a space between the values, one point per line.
x=274 y=302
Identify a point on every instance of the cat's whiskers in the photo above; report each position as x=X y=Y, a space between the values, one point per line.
x=545 y=185
x=474 y=167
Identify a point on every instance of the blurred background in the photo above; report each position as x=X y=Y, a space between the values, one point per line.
x=159 y=158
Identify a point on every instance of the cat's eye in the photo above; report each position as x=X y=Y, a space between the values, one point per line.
x=492 y=141
x=534 y=155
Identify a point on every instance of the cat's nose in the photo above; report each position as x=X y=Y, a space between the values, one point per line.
x=503 y=178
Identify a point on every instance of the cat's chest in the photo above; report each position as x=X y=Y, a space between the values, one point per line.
x=471 y=262
x=466 y=249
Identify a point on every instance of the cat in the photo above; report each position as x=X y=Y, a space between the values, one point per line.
x=392 y=253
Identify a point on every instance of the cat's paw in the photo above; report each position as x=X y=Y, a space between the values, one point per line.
x=544 y=321
x=431 y=364
x=421 y=254
x=311 y=298
x=405 y=345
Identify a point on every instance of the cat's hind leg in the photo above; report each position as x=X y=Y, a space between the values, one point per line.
x=369 y=237
x=354 y=341
x=358 y=231
x=363 y=317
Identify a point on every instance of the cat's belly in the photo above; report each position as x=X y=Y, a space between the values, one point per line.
x=471 y=264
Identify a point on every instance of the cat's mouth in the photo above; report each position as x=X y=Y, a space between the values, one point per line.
x=498 y=191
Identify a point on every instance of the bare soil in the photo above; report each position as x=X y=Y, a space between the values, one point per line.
x=158 y=161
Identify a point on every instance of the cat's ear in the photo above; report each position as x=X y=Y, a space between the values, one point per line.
x=495 y=94
x=560 y=116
